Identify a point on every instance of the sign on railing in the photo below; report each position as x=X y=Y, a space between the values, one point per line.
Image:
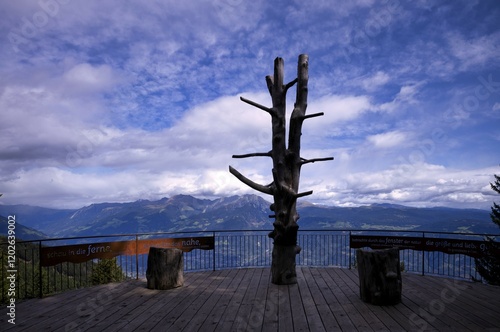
x=185 y=244
x=80 y=253
x=471 y=248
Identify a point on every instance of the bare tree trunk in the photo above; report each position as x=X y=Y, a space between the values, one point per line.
x=287 y=163
x=286 y=172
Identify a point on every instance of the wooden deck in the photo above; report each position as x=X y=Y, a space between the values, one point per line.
x=325 y=299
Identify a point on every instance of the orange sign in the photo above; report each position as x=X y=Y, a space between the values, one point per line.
x=80 y=253
x=183 y=243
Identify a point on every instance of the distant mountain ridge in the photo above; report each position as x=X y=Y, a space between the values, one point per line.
x=178 y=213
x=247 y=212
x=21 y=232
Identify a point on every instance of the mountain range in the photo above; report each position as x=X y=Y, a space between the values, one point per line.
x=247 y=212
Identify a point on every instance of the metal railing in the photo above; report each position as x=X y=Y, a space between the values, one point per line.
x=232 y=249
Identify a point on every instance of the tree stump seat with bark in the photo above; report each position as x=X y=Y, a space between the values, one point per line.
x=165 y=268
x=379 y=276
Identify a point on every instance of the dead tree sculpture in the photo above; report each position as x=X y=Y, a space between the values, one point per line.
x=287 y=163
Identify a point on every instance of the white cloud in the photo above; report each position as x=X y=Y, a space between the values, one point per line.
x=413 y=185
x=225 y=122
x=406 y=96
x=388 y=140
x=340 y=108
x=192 y=158
x=375 y=81
x=55 y=187
x=476 y=51
x=85 y=77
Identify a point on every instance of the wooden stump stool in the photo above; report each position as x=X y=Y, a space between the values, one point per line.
x=165 y=268
x=379 y=276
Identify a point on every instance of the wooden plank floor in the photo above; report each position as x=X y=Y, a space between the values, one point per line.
x=324 y=299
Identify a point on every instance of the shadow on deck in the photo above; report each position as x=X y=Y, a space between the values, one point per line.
x=325 y=299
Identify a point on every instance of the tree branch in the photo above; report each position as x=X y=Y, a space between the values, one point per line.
x=270 y=83
x=263 y=189
x=307 y=161
x=290 y=84
x=299 y=111
x=312 y=115
x=305 y=193
x=257 y=154
x=262 y=107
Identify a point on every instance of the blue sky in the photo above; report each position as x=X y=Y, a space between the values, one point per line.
x=123 y=100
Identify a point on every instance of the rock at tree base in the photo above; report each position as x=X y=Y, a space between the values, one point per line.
x=165 y=268
x=379 y=276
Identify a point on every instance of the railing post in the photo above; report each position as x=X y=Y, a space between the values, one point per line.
x=40 y=279
x=423 y=253
x=349 y=250
x=136 y=257
x=213 y=255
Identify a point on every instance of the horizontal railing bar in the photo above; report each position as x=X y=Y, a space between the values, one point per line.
x=249 y=230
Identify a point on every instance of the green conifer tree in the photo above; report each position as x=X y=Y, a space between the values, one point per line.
x=495 y=209
x=105 y=271
x=488 y=266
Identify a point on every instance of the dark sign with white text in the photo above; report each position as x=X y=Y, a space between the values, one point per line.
x=473 y=248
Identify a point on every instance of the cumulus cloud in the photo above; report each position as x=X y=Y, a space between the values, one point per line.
x=204 y=139
x=85 y=77
x=387 y=140
x=414 y=185
x=341 y=108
